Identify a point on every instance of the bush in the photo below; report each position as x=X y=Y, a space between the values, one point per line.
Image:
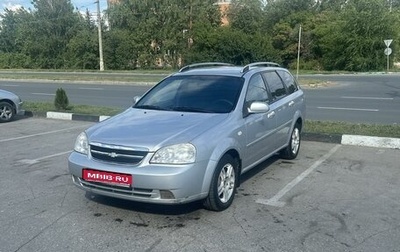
x=61 y=100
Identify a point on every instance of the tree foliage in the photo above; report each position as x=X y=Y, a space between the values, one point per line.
x=61 y=101
x=335 y=34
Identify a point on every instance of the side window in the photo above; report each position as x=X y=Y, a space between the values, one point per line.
x=275 y=84
x=289 y=81
x=256 y=90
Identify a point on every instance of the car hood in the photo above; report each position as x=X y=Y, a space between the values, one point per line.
x=153 y=129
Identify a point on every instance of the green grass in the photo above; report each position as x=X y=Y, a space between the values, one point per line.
x=43 y=107
x=321 y=127
x=332 y=128
x=149 y=76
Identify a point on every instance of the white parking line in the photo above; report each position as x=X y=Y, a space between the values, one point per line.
x=274 y=201
x=37 y=160
x=350 y=109
x=366 y=98
x=40 y=134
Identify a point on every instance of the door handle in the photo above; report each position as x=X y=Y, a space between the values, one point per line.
x=270 y=115
x=291 y=103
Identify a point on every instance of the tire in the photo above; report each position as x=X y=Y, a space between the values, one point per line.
x=223 y=184
x=291 y=151
x=6 y=112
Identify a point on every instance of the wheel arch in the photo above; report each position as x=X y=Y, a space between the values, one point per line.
x=222 y=150
x=300 y=121
x=9 y=102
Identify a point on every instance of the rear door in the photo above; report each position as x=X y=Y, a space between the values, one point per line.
x=281 y=104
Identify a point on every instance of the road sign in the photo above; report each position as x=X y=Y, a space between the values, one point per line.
x=388 y=42
x=388 y=51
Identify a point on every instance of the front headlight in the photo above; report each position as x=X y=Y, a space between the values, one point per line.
x=175 y=154
x=81 y=144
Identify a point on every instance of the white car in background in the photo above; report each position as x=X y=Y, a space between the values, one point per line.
x=10 y=106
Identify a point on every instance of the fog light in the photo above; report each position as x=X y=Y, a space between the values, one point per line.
x=166 y=194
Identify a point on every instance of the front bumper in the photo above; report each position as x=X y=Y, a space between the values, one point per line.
x=18 y=109
x=163 y=184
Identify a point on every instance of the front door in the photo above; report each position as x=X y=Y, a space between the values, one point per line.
x=260 y=128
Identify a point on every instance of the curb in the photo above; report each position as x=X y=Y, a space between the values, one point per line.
x=68 y=116
x=353 y=140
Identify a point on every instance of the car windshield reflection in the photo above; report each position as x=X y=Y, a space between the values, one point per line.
x=204 y=94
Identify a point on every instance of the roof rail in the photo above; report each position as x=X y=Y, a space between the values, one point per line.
x=258 y=64
x=205 y=64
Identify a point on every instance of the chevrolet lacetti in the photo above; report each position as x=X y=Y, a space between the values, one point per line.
x=192 y=135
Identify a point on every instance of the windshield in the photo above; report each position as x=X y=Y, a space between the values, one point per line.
x=207 y=94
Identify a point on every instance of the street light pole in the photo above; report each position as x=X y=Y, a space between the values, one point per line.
x=100 y=37
x=298 y=54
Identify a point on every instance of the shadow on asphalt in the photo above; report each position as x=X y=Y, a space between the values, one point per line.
x=145 y=207
x=179 y=209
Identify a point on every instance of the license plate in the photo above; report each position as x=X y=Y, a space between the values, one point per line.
x=120 y=179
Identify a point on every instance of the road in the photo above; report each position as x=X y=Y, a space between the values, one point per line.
x=324 y=200
x=355 y=98
x=351 y=98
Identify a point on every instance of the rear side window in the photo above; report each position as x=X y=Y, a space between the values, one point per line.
x=275 y=84
x=289 y=81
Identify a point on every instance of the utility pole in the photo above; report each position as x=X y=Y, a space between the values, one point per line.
x=298 y=54
x=100 y=37
x=190 y=40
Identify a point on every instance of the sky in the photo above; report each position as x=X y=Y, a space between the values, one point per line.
x=82 y=5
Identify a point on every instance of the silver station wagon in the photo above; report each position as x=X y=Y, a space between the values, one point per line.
x=192 y=135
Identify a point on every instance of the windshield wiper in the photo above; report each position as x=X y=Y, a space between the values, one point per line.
x=190 y=109
x=152 y=107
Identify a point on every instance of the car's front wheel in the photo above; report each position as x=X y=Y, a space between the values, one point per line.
x=223 y=184
x=6 y=112
x=291 y=151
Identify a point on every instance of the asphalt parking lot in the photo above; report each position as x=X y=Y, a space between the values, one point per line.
x=331 y=198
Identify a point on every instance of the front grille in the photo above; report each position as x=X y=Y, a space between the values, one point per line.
x=117 y=154
x=131 y=191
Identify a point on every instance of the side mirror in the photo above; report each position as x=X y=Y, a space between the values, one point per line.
x=258 y=107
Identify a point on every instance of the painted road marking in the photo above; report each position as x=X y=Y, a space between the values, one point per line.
x=43 y=94
x=9 y=85
x=350 y=109
x=37 y=160
x=41 y=134
x=274 y=201
x=91 y=88
x=366 y=98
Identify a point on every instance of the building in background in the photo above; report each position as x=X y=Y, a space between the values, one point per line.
x=223 y=7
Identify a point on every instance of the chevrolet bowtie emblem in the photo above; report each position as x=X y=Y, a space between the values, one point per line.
x=113 y=154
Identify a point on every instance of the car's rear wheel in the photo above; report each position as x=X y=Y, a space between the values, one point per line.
x=291 y=151
x=223 y=184
x=6 y=112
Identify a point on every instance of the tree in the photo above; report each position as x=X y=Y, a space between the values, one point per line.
x=12 y=38
x=247 y=16
x=61 y=100
x=81 y=50
x=54 y=25
x=354 y=41
x=162 y=30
